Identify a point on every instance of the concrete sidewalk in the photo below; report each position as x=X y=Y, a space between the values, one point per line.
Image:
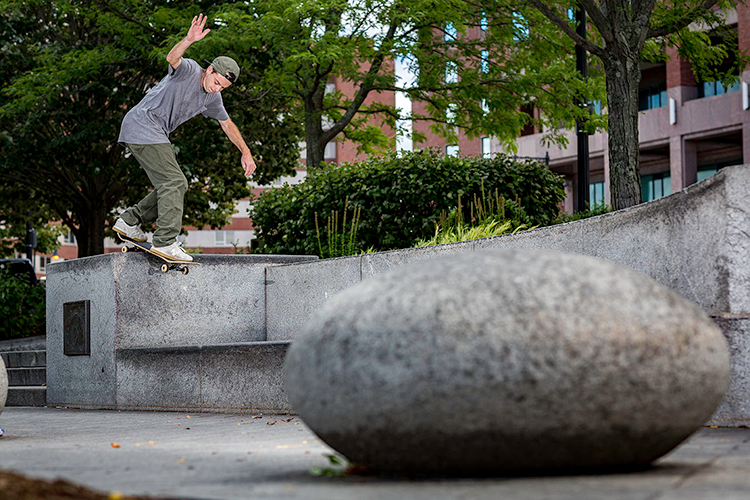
x=220 y=456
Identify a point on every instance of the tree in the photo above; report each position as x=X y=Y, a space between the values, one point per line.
x=70 y=71
x=629 y=31
x=21 y=206
x=359 y=41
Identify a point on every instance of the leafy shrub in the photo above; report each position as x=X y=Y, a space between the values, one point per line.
x=400 y=199
x=598 y=209
x=22 y=307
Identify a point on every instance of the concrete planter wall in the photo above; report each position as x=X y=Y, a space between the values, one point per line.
x=695 y=242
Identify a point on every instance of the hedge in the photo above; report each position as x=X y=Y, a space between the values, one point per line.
x=400 y=198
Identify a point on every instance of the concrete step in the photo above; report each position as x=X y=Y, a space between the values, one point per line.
x=26 y=396
x=226 y=377
x=27 y=376
x=24 y=359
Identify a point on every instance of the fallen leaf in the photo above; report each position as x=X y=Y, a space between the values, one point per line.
x=180 y=460
x=289 y=420
x=187 y=428
x=272 y=423
x=152 y=442
x=115 y=495
x=115 y=445
x=189 y=416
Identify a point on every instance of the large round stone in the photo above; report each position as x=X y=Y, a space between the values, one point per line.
x=507 y=361
x=3 y=385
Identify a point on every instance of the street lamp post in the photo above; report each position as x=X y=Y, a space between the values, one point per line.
x=581 y=135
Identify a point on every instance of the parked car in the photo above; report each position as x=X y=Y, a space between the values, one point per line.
x=20 y=267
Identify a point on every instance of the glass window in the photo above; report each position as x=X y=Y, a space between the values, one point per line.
x=485 y=61
x=451 y=150
x=708 y=89
x=520 y=27
x=69 y=238
x=484 y=22
x=596 y=194
x=450 y=32
x=655 y=186
x=451 y=72
x=44 y=261
x=485 y=106
x=652 y=97
x=330 y=151
x=486 y=148
x=450 y=113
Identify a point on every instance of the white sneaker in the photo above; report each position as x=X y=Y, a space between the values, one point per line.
x=134 y=233
x=173 y=252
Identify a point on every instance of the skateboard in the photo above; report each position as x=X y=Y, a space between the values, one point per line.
x=145 y=246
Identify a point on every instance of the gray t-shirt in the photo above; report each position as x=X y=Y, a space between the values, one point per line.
x=175 y=100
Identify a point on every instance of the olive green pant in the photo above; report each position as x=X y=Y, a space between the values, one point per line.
x=165 y=203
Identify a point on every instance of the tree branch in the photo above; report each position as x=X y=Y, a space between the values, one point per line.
x=567 y=29
x=691 y=16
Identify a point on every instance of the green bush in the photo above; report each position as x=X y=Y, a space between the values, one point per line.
x=400 y=199
x=22 y=307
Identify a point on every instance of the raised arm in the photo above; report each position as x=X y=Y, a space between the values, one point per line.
x=195 y=33
x=248 y=164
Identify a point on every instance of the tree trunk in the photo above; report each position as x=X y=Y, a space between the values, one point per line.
x=90 y=234
x=623 y=79
x=314 y=130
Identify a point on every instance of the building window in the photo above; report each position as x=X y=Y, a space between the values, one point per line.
x=485 y=106
x=484 y=22
x=520 y=27
x=596 y=194
x=451 y=150
x=652 y=97
x=223 y=238
x=707 y=171
x=485 y=61
x=450 y=32
x=69 y=239
x=707 y=89
x=451 y=72
x=451 y=112
x=44 y=261
x=330 y=151
x=655 y=186
x=486 y=148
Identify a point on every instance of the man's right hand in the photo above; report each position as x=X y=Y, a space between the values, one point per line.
x=196 y=31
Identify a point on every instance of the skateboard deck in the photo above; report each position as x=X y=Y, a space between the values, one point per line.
x=145 y=246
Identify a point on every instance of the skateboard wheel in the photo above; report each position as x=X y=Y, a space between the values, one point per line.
x=185 y=270
x=124 y=249
x=164 y=268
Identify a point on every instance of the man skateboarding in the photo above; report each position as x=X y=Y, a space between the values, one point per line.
x=186 y=91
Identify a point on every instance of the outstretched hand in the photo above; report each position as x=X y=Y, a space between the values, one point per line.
x=197 y=31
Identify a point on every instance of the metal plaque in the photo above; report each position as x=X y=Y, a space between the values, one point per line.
x=77 y=328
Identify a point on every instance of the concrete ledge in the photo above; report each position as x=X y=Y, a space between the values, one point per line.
x=27 y=376
x=134 y=305
x=18 y=359
x=26 y=396
x=237 y=377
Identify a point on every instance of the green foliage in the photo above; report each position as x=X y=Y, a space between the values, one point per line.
x=359 y=42
x=338 y=466
x=401 y=199
x=598 y=209
x=22 y=307
x=339 y=243
x=487 y=219
x=69 y=72
x=467 y=232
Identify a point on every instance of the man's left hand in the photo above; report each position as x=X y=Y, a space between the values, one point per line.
x=248 y=164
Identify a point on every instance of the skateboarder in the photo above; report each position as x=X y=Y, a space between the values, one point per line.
x=186 y=91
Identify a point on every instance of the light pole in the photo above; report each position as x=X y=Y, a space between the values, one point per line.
x=581 y=135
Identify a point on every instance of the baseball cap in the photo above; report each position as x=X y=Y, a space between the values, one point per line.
x=226 y=67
